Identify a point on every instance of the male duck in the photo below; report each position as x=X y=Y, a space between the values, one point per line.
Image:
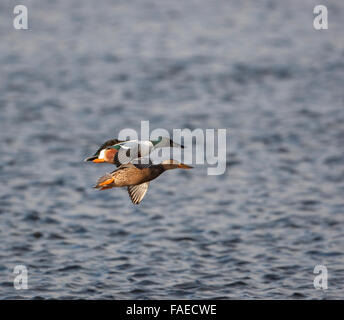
x=130 y=149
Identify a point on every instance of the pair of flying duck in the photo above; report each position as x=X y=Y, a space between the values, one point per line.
x=136 y=176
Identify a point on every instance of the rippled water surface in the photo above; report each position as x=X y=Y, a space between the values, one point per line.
x=87 y=69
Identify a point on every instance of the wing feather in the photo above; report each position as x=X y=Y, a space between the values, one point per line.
x=137 y=192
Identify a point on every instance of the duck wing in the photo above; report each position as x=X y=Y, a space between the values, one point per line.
x=139 y=163
x=127 y=152
x=137 y=192
x=131 y=150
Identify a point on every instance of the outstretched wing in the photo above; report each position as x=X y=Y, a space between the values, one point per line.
x=137 y=193
x=126 y=153
x=129 y=151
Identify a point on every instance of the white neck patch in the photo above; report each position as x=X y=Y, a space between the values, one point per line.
x=101 y=154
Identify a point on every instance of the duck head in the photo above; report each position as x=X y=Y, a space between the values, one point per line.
x=106 y=155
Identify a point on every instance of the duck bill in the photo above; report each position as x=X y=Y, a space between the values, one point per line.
x=90 y=158
x=184 y=166
x=98 y=160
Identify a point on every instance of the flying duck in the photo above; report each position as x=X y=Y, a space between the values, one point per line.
x=136 y=177
x=119 y=152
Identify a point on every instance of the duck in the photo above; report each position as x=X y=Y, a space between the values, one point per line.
x=131 y=149
x=136 y=177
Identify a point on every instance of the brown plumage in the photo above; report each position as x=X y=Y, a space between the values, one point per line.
x=136 y=177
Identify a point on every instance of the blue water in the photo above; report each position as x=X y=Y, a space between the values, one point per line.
x=87 y=69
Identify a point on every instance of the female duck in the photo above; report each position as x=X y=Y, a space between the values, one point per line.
x=136 y=177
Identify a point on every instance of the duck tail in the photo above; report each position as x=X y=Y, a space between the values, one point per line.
x=104 y=182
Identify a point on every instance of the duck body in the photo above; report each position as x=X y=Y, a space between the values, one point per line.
x=136 y=177
x=123 y=152
x=129 y=175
